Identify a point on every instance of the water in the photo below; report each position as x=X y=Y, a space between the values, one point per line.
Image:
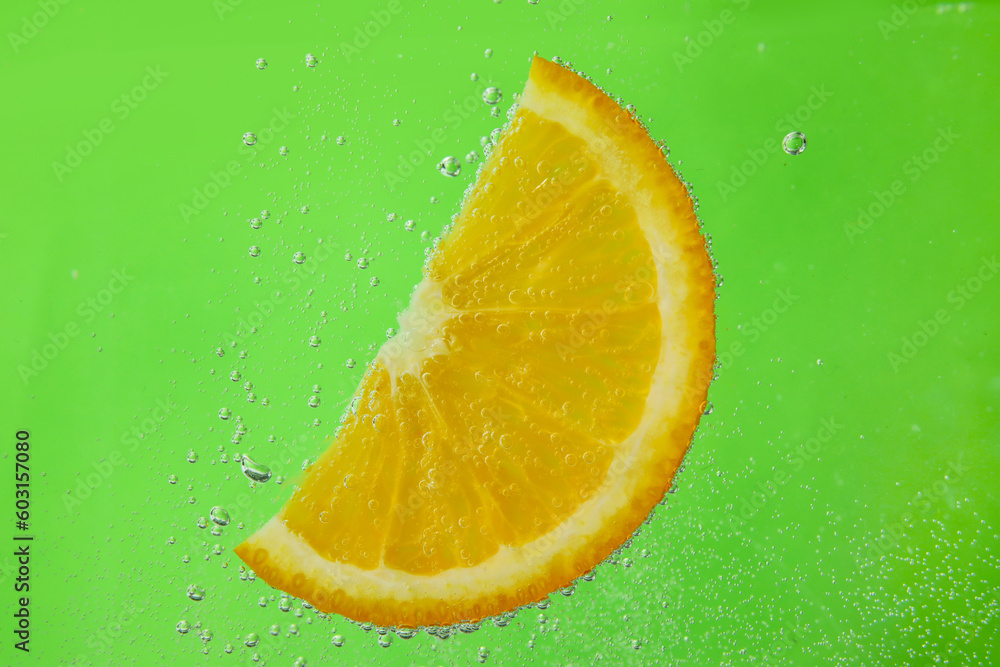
x=840 y=513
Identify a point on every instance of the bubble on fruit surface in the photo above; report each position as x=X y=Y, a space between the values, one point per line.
x=299 y=257
x=794 y=143
x=196 y=593
x=315 y=341
x=219 y=515
x=251 y=640
x=492 y=95
x=249 y=138
x=183 y=627
x=258 y=472
x=261 y=63
x=225 y=413
x=311 y=60
x=639 y=292
x=450 y=166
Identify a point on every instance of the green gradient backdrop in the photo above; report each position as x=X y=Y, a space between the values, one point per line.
x=877 y=544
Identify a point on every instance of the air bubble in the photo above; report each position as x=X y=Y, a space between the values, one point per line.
x=315 y=341
x=196 y=593
x=794 y=143
x=299 y=257
x=249 y=138
x=639 y=292
x=258 y=472
x=220 y=516
x=311 y=60
x=492 y=95
x=450 y=166
x=261 y=63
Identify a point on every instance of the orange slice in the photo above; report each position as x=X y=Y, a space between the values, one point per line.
x=543 y=388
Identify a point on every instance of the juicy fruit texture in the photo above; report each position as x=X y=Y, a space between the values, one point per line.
x=544 y=386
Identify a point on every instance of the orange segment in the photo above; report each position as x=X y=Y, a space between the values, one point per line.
x=542 y=391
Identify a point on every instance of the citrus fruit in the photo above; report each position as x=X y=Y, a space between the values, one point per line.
x=543 y=388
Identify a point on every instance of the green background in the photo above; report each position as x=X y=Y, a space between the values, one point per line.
x=839 y=504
